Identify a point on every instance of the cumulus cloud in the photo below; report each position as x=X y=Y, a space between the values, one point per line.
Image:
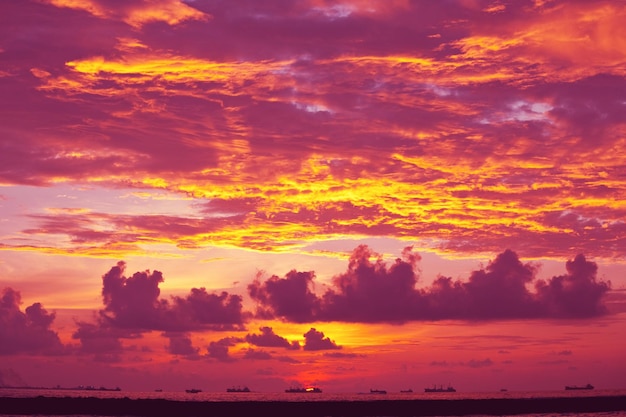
x=290 y=297
x=374 y=291
x=575 y=294
x=28 y=331
x=98 y=339
x=135 y=303
x=180 y=344
x=267 y=338
x=497 y=291
x=219 y=349
x=315 y=340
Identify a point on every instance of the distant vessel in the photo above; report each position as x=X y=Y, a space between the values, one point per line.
x=440 y=389
x=576 y=387
x=193 y=391
x=238 y=389
x=158 y=390
x=378 y=391
x=303 y=390
x=92 y=388
x=406 y=391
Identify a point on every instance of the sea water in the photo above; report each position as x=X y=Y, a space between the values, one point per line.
x=324 y=396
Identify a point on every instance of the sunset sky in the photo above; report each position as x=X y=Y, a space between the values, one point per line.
x=351 y=194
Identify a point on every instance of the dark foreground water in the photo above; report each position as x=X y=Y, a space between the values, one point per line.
x=31 y=402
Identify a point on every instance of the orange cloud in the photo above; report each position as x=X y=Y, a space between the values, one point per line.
x=137 y=13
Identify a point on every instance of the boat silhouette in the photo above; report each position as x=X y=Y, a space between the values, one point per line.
x=440 y=388
x=193 y=391
x=303 y=390
x=406 y=391
x=577 y=387
x=238 y=389
x=378 y=391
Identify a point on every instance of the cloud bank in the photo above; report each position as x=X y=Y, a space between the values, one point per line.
x=473 y=125
x=374 y=291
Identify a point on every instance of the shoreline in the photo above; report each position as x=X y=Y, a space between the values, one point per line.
x=423 y=407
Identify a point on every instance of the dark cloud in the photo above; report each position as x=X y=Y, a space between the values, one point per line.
x=500 y=290
x=134 y=303
x=370 y=291
x=575 y=294
x=257 y=354
x=373 y=291
x=315 y=340
x=479 y=363
x=268 y=338
x=219 y=349
x=221 y=311
x=98 y=339
x=180 y=344
x=290 y=297
x=343 y=355
x=28 y=331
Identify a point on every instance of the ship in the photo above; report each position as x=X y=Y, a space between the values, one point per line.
x=238 y=389
x=440 y=389
x=406 y=391
x=577 y=387
x=92 y=388
x=193 y=391
x=303 y=390
x=378 y=391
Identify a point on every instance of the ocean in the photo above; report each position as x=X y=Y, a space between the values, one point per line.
x=593 y=403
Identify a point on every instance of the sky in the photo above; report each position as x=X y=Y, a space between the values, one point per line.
x=350 y=194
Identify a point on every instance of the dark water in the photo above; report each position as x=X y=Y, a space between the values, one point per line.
x=309 y=397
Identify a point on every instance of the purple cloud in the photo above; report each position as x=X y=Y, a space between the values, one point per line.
x=372 y=291
x=268 y=338
x=180 y=344
x=26 y=332
x=315 y=340
x=98 y=339
x=479 y=363
x=290 y=297
x=219 y=349
x=134 y=303
x=257 y=354
x=575 y=294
